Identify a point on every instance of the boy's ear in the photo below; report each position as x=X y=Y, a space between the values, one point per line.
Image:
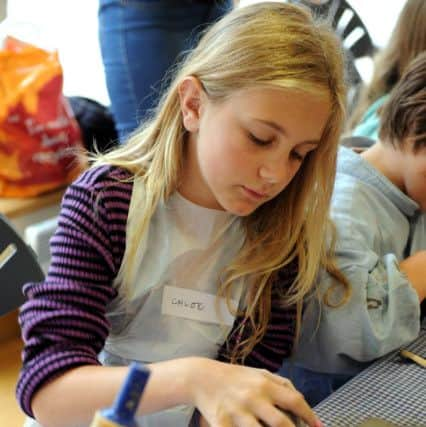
x=191 y=95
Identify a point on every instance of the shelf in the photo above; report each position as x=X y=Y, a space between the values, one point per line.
x=15 y=207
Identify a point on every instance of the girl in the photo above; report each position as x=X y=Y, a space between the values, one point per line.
x=168 y=249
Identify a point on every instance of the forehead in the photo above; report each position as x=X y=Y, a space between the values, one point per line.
x=299 y=112
x=276 y=95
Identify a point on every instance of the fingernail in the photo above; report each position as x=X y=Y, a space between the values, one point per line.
x=318 y=423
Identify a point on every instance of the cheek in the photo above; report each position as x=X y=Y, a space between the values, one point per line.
x=223 y=158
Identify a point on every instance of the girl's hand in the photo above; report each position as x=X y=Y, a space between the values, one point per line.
x=237 y=396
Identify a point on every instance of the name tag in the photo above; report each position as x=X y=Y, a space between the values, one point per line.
x=194 y=305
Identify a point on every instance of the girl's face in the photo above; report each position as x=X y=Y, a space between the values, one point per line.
x=244 y=151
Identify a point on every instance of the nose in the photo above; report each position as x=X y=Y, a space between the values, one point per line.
x=278 y=172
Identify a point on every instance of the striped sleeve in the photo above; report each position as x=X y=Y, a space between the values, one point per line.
x=63 y=321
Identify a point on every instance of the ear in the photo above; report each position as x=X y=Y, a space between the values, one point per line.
x=191 y=95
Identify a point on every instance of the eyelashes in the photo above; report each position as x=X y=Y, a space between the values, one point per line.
x=266 y=142
x=258 y=141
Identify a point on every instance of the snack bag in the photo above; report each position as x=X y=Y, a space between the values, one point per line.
x=39 y=136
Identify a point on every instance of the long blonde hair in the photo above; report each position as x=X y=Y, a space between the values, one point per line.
x=272 y=44
x=407 y=40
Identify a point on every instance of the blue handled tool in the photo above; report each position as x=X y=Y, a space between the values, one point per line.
x=122 y=413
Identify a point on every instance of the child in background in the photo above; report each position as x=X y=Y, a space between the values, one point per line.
x=378 y=206
x=198 y=239
x=408 y=39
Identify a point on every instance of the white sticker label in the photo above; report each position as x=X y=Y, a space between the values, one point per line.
x=194 y=305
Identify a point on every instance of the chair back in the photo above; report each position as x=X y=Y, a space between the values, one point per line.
x=348 y=25
x=18 y=265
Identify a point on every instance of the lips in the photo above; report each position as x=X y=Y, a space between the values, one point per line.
x=255 y=194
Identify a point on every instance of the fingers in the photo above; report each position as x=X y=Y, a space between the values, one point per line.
x=247 y=397
x=238 y=419
x=273 y=417
x=283 y=394
x=244 y=419
x=260 y=415
x=223 y=421
x=278 y=379
x=289 y=399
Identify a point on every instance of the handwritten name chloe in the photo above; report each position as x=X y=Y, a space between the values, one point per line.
x=180 y=302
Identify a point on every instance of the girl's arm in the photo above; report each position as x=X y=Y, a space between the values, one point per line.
x=63 y=321
x=64 y=327
x=226 y=395
x=79 y=392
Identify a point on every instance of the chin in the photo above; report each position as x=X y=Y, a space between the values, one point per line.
x=241 y=210
x=238 y=206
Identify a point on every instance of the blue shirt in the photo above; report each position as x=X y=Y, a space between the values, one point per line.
x=378 y=226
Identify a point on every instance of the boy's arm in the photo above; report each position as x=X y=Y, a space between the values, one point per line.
x=415 y=269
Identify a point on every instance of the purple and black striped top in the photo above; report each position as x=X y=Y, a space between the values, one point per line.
x=64 y=320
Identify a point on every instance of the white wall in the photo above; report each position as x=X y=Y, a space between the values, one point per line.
x=378 y=15
x=71 y=27
x=2 y=9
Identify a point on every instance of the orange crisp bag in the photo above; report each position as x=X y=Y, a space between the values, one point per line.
x=39 y=136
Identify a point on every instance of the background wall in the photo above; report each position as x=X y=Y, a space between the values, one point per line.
x=2 y=9
x=72 y=28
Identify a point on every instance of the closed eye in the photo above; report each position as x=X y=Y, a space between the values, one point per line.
x=259 y=141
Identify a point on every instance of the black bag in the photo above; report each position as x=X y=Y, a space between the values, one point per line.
x=96 y=123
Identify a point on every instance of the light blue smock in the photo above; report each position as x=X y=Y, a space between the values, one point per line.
x=378 y=226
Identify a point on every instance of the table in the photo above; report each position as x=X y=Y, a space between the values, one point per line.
x=391 y=389
x=25 y=211
x=10 y=363
x=13 y=207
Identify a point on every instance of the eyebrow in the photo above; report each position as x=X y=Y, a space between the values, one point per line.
x=281 y=130
x=272 y=125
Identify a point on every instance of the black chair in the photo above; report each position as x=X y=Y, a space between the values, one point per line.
x=356 y=40
x=18 y=265
x=358 y=143
x=347 y=24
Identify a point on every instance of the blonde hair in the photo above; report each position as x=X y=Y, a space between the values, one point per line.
x=408 y=39
x=265 y=44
